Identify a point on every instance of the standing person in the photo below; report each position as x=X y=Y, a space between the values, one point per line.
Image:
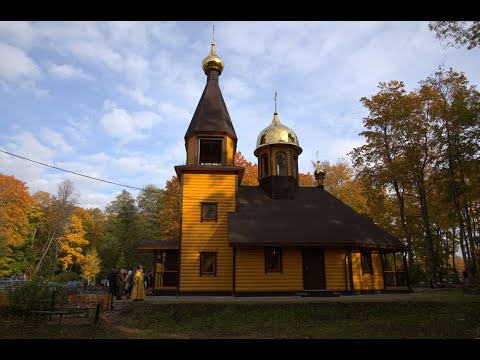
x=138 y=290
x=120 y=283
x=128 y=283
x=112 y=279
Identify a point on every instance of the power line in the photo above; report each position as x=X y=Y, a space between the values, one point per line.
x=87 y=176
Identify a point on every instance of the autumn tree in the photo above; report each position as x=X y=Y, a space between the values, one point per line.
x=90 y=265
x=381 y=159
x=57 y=210
x=306 y=180
x=455 y=111
x=96 y=232
x=71 y=243
x=457 y=33
x=170 y=214
x=250 y=177
x=15 y=206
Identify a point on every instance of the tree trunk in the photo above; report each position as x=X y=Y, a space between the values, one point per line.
x=474 y=257
x=428 y=235
x=406 y=233
x=453 y=258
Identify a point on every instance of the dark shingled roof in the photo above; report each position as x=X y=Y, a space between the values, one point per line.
x=158 y=244
x=313 y=217
x=211 y=114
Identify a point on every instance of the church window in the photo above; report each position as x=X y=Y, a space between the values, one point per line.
x=209 y=211
x=210 y=151
x=281 y=163
x=366 y=258
x=273 y=259
x=208 y=263
x=265 y=166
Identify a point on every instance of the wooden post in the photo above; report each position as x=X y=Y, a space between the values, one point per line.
x=111 y=302
x=52 y=305
x=405 y=267
x=234 y=265
x=97 y=313
x=350 y=269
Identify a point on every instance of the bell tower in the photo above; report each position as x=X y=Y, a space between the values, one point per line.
x=209 y=182
x=211 y=139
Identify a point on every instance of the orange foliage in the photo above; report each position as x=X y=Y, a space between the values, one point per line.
x=15 y=204
x=306 y=180
x=170 y=215
x=250 y=177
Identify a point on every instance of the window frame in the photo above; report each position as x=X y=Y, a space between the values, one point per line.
x=265 y=169
x=199 y=148
x=202 y=271
x=203 y=204
x=366 y=262
x=294 y=166
x=277 y=165
x=280 y=260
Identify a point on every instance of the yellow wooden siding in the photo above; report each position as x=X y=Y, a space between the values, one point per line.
x=335 y=269
x=191 y=143
x=206 y=236
x=367 y=281
x=230 y=150
x=250 y=271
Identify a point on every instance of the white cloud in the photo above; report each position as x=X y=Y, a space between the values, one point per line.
x=25 y=144
x=237 y=88
x=20 y=33
x=56 y=139
x=77 y=129
x=138 y=95
x=15 y=63
x=126 y=127
x=173 y=111
x=65 y=71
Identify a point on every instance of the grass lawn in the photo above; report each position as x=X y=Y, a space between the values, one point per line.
x=437 y=315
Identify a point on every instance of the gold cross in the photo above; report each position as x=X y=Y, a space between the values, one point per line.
x=275 y=101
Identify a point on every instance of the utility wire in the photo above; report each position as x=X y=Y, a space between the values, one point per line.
x=87 y=176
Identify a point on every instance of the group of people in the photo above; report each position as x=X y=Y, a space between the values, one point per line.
x=130 y=284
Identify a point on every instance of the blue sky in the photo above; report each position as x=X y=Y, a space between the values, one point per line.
x=113 y=100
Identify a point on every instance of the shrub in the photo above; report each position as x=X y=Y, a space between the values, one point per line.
x=65 y=277
x=471 y=289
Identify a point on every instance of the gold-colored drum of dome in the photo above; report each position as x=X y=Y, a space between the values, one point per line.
x=212 y=61
x=277 y=133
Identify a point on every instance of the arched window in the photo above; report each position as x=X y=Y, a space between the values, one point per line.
x=281 y=163
x=294 y=166
x=264 y=164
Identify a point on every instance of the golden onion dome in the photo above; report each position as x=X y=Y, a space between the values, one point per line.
x=212 y=61
x=276 y=133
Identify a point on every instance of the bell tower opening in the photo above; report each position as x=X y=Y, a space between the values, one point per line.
x=210 y=151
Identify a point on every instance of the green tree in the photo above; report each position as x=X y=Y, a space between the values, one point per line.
x=150 y=204
x=122 y=233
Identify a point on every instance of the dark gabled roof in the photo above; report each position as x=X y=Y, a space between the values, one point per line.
x=158 y=244
x=211 y=115
x=313 y=217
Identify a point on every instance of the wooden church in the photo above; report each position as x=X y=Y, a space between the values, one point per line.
x=275 y=238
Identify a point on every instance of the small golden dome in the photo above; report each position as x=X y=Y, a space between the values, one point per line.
x=276 y=133
x=212 y=61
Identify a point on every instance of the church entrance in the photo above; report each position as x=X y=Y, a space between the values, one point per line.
x=313 y=260
x=166 y=269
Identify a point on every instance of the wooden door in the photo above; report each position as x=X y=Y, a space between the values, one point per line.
x=313 y=260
